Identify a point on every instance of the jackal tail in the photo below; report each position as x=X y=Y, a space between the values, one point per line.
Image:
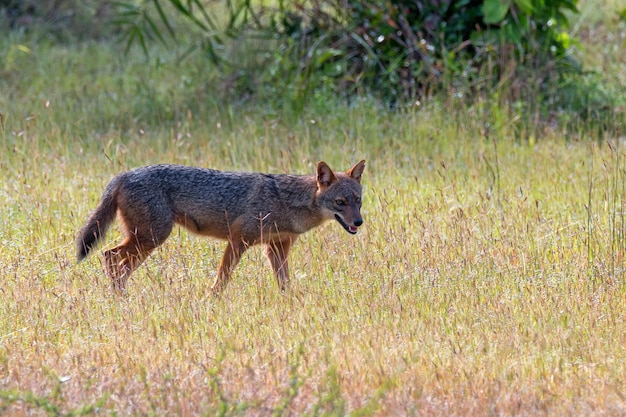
x=96 y=226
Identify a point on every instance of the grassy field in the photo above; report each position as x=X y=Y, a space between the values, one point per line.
x=488 y=279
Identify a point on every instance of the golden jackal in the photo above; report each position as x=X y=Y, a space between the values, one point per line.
x=243 y=208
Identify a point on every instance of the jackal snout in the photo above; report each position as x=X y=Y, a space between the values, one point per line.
x=351 y=225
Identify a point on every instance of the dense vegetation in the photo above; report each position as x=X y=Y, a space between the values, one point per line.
x=521 y=52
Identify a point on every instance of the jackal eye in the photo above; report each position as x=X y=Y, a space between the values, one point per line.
x=358 y=200
x=340 y=202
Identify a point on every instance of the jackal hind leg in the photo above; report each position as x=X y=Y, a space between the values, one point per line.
x=277 y=252
x=121 y=261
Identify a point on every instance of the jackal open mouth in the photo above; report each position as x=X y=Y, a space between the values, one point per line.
x=350 y=229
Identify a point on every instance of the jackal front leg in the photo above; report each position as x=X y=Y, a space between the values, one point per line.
x=277 y=252
x=232 y=255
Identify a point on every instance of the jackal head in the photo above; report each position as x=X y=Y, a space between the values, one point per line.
x=339 y=195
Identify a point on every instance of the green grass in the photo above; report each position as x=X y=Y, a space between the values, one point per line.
x=488 y=278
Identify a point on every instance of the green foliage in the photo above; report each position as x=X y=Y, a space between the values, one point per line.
x=52 y=406
x=397 y=50
x=299 y=54
x=400 y=51
x=405 y=49
x=149 y=20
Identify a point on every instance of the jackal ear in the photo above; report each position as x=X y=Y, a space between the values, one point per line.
x=357 y=170
x=325 y=175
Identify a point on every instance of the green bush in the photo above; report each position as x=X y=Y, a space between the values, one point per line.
x=398 y=50
x=403 y=49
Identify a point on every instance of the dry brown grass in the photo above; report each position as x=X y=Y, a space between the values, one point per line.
x=465 y=294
